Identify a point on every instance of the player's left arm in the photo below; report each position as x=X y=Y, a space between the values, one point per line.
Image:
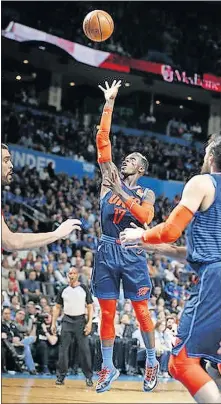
x=144 y=213
x=169 y=231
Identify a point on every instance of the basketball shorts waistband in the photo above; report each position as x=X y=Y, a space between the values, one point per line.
x=109 y=239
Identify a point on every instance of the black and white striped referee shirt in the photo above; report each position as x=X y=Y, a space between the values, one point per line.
x=74 y=299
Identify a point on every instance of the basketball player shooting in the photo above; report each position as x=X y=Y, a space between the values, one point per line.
x=121 y=202
x=200 y=326
x=21 y=241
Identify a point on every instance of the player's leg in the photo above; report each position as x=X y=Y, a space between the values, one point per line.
x=147 y=331
x=106 y=287
x=107 y=336
x=198 y=337
x=214 y=372
x=107 y=331
x=190 y=373
x=137 y=288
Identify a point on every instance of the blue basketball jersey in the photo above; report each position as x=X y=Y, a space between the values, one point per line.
x=203 y=235
x=115 y=216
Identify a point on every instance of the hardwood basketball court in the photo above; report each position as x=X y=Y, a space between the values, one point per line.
x=43 y=390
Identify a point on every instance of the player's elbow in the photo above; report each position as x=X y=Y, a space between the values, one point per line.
x=150 y=217
x=7 y=244
x=147 y=217
x=11 y=242
x=102 y=138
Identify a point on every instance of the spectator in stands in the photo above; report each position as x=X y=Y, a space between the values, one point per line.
x=22 y=325
x=10 y=291
x=196 y=129
x=18 y=339
x=15 y=304
x=170 y=332
x=31 y=288
x=30 y=312
x=65 y=264
x=28 y=262
x=9 y=336
x=60 y=275
x=46 y=349
x=38 y=272
x=43 y=301
x=163 y=352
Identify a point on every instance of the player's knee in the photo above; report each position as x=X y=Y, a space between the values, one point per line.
x=107 y=316
x=143 y=315
x=185 y=369
x=107 y=329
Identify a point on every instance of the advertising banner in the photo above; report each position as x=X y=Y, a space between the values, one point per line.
x=22 y=156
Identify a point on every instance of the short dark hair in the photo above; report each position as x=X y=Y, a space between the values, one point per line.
x=4 y=146
x=5 y=308
x=215 y=150
x=143 y=160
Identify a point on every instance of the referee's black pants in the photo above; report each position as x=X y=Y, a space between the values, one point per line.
x=73 y=329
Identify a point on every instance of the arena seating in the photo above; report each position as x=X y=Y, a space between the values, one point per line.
x=47 y=132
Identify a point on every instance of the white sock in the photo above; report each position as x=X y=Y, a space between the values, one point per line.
x=209 y=393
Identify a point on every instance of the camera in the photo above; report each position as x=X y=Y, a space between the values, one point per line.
x=40 y=318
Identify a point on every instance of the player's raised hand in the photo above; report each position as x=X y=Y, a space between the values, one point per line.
x=113 y=182
x=132 y=235
x=110 y=92
x=67 y=227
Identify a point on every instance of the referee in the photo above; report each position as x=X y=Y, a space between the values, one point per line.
x=74 y=298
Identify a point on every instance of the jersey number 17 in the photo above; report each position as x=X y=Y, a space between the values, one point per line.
x=118 y=215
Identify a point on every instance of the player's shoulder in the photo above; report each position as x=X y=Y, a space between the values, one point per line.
x=201 y=180
x=148 y=195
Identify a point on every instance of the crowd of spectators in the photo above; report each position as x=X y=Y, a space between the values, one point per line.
x=180 y=36
x=31 y=279
x=175 y=127
x=75 y=138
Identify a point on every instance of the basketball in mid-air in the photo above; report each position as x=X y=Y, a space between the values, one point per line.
x=98 y=25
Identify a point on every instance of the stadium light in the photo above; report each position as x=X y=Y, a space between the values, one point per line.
x=25 y=62
x=189 y=98
x=18 y=77
x=181 y=106
x=158 y=102
x=72 y=84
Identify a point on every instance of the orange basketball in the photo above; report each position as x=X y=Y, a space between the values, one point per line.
x=98 y=25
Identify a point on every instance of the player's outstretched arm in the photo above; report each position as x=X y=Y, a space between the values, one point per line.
x=22 y=241
x=103 y=135
x=169 y=231
x=170 y=250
